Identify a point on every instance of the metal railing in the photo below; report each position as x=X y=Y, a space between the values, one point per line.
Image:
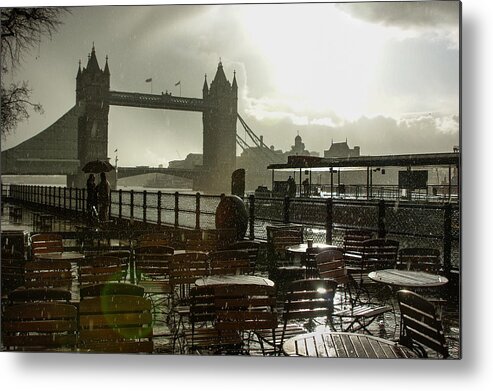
x=324 y=220
x=431 y=194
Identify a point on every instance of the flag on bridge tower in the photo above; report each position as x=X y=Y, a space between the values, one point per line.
x=178 y=83
x=149 y=80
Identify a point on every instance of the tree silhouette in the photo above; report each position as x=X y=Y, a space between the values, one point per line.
x=21 y=30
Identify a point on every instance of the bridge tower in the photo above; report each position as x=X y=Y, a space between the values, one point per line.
x=219 y=136
x=92 y=92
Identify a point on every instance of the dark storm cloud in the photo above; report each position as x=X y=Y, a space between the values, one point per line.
x=406 y=14
x=182 y=43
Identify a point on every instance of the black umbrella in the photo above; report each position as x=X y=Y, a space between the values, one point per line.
x=97 y=166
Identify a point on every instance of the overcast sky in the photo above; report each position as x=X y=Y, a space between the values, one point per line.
x=383 y=75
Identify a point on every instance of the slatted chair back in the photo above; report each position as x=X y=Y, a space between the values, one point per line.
x=101 y=268
x=48 y=274
x=244 y=307
x=202 y=245
x=229 y=262
x=202 y=306
x=164 y=238
x=115 y=324
x=202 y=317
x=12 y=271
x=30 y=295
x=353 y=240
x=46 y=243
x=309 y=262
x=111 y=289
x=39 y=326
x=380 y=253
x=222 y=237
x=251 y=247
x=420 y=324
x=185 y=269
x=309 y=299
x=420 y=259
x=152 y=262
x=278 y=238
x=123 y=255
x=331 y=265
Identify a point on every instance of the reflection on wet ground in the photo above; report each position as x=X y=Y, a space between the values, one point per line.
x=387 y=326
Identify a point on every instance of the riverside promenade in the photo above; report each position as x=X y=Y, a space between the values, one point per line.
x=23 y=216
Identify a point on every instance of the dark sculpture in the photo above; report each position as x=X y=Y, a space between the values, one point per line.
x=231 y=213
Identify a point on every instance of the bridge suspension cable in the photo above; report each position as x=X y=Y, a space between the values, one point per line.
x=265 y=150
x=242 y=143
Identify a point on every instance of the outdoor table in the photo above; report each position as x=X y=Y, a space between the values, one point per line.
x=177 y=252
x=71 y=256
x=299 y=252
x=344 y=345
x=407 y=278
x=300 y=249
x=61 y=256
x=232 y=280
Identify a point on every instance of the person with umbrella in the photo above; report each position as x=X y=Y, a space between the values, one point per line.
x=104 y=193
x=103 y=188
x=92 y=197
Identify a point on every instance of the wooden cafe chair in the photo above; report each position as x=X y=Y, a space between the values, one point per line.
x=421 y=328
x=309 y=300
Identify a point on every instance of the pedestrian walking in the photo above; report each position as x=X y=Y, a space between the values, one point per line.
x=104 y=192
x=92 y=197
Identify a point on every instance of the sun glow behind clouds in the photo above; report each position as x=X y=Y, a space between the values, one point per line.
x=319 y=58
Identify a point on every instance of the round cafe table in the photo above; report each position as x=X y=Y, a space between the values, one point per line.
x=300 y=249
x=344 y=345
x=232 y=280
x=71 y=256
x=407 y=278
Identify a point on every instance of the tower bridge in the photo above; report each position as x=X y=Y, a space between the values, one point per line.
x=152 y=101
x=81 y=135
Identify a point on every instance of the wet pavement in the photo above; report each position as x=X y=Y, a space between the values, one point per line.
x=386 y=326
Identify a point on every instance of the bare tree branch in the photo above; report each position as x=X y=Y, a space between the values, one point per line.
x=22 y=29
